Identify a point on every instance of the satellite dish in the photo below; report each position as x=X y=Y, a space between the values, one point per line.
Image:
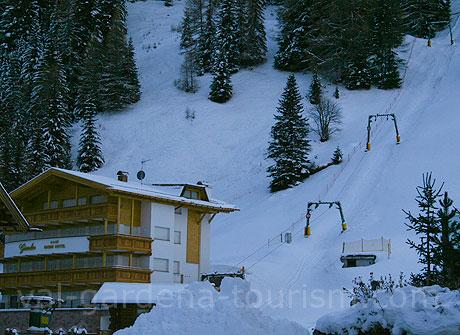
x=141 y=175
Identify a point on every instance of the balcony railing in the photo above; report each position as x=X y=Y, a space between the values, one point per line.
x=73 y=277
x=102 y=211
x=136 y=244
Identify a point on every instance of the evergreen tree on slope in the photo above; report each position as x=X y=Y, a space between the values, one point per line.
x=387 y=34
x=289 y=146
x=254 y=48
x=295 y=18
x=221 y=85
x=50 y=110
x=315 y=92
x=448 y=251
x=426 y=225
x=90 y=156
x=207 y=39
x=227 y=31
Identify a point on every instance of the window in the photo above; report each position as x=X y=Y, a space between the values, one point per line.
x=53 y=205
x=81 y=201
x=191 y=195
x=176 y=267
x=98 y=199
x=161 y=264
x=177 y=237
x=161 y=233
x=68 y=203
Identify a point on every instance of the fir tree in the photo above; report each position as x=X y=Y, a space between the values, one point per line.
x=254 y=47
x=423 y=18
x=386 y=31
x=187 y=81
x=90 y=156
x=337 y=156
x=168 y=3
x=336 y=92
x=448 y=250
x=315 y=92
x=221 y=86
x=296 y=20
x=207 y=39
x=289 y=146
x=426 y=226
x=227 y=30
x=130 y=76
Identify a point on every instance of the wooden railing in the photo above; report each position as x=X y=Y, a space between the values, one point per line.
x=73 y=277
x=102 y=211
x=130 y=243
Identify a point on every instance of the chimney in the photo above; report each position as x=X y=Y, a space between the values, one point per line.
x=122 y=176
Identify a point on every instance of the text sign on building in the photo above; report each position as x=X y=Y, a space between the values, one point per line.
x=47 y=246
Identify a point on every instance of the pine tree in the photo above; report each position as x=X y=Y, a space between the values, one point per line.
x=207 y=39
x=425 y=224
x=337 y=156
x=289 y=146
x=386 y=31
x=253 y=48
x=422 y=16
x=227 y=30
x=221 y=86
x=337 y=93
x=119 y=82
x=187 y=81
x=49 y=106
x=192 y=33
x=168 y=3
x=296 y=20
x=90 y=156
x=315 y=92
x=130 y=76
x=448 y=250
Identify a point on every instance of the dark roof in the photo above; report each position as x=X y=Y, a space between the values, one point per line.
x=11 y=218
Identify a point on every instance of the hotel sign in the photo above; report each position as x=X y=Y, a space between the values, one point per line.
x=47 y=246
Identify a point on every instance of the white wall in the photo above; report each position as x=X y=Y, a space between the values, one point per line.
x=164 y=216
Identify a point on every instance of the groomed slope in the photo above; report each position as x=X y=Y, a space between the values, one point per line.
x=225 y=145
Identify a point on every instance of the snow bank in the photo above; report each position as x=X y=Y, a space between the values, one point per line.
x=200 y=309
x=412 y=311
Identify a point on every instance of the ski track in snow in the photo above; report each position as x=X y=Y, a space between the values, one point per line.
x=226 y=146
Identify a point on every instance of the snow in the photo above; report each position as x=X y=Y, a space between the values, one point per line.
x=409 y=310
x=200 y=309
x=225 y=144
x=134 y=293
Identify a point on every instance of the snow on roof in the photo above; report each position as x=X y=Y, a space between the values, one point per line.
x=134 y=293
x=149 y=191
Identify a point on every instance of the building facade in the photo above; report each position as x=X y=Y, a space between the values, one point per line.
x=97 y=229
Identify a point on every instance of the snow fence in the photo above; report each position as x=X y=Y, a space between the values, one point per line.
x=409 y=310
x=200 y=309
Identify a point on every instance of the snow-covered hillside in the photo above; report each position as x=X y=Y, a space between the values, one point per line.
x=225 y=145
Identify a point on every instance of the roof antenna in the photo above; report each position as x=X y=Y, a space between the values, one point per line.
x=141 y=173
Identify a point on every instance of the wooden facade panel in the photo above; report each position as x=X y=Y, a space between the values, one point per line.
x=121 y=242
x=193 y=237
x=70 y=277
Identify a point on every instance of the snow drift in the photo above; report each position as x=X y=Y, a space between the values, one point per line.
x=409 y=310
x=200 y=309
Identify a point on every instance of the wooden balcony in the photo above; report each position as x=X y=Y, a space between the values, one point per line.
x=135 y=244
x=2 y=251
x=95 y=276
x=72 y=214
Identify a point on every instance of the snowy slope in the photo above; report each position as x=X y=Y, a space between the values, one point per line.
x=225 y=145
